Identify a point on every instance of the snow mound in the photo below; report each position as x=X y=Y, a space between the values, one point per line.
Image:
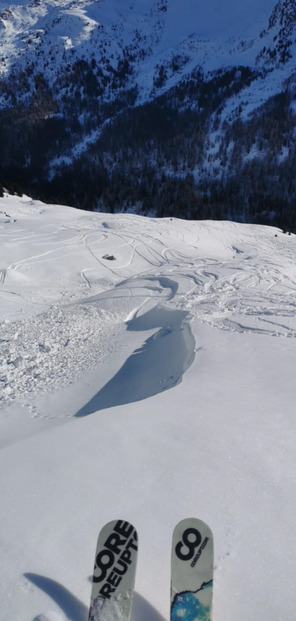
x=150 y=388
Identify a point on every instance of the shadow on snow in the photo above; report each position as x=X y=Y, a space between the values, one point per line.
x=73 y=608
x=157 y=366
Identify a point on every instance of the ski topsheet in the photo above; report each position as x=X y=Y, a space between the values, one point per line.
x=114 y=572
x=192 y=571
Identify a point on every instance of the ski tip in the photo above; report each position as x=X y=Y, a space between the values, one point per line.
x=192 y=569
x=193 y=522
x=192 y=543
x=114 y=570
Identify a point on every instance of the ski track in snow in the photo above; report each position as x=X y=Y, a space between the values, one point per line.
x=196 y=320
x=58 y=274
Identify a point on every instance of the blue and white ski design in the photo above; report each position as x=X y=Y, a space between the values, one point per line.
x=192 y=571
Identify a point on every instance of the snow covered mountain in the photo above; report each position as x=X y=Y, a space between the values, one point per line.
x=190 y=99
x=142 y=34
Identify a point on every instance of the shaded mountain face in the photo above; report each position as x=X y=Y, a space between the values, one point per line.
x=154 y=106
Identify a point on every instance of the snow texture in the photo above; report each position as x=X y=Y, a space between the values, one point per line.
x=215 y=34
x=151 y=387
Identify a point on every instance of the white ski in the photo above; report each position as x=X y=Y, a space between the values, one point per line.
x=114 y=572
x=192 y=571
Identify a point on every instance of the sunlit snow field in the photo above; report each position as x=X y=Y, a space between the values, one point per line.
x=147 y=373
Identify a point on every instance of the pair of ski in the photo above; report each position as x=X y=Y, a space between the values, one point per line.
x=191 y=572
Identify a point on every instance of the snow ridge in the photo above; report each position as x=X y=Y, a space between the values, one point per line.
x=163 y=378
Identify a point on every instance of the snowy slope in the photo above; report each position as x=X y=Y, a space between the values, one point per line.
x=149 y=386
x=49 y=34
x=217 y=80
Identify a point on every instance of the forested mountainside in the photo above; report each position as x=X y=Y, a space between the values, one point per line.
x=154 y=107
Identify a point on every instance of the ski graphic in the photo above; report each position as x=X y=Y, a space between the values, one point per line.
x=114 y=572
x=192 y=571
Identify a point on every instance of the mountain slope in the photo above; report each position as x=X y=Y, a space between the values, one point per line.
x=148 y=94
x=149 y=387
x=146 y=34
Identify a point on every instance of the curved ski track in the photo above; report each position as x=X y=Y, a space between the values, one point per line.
x=233 y=277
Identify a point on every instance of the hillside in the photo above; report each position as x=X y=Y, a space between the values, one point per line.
x=161 y=108
x=147 y=373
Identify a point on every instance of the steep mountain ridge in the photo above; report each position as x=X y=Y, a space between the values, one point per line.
x=51 y=31
x=151 y=94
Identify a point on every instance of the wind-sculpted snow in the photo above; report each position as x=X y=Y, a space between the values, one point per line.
x=55 y=272
x=164 y=331
x=246 y=296
x=156 y=366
